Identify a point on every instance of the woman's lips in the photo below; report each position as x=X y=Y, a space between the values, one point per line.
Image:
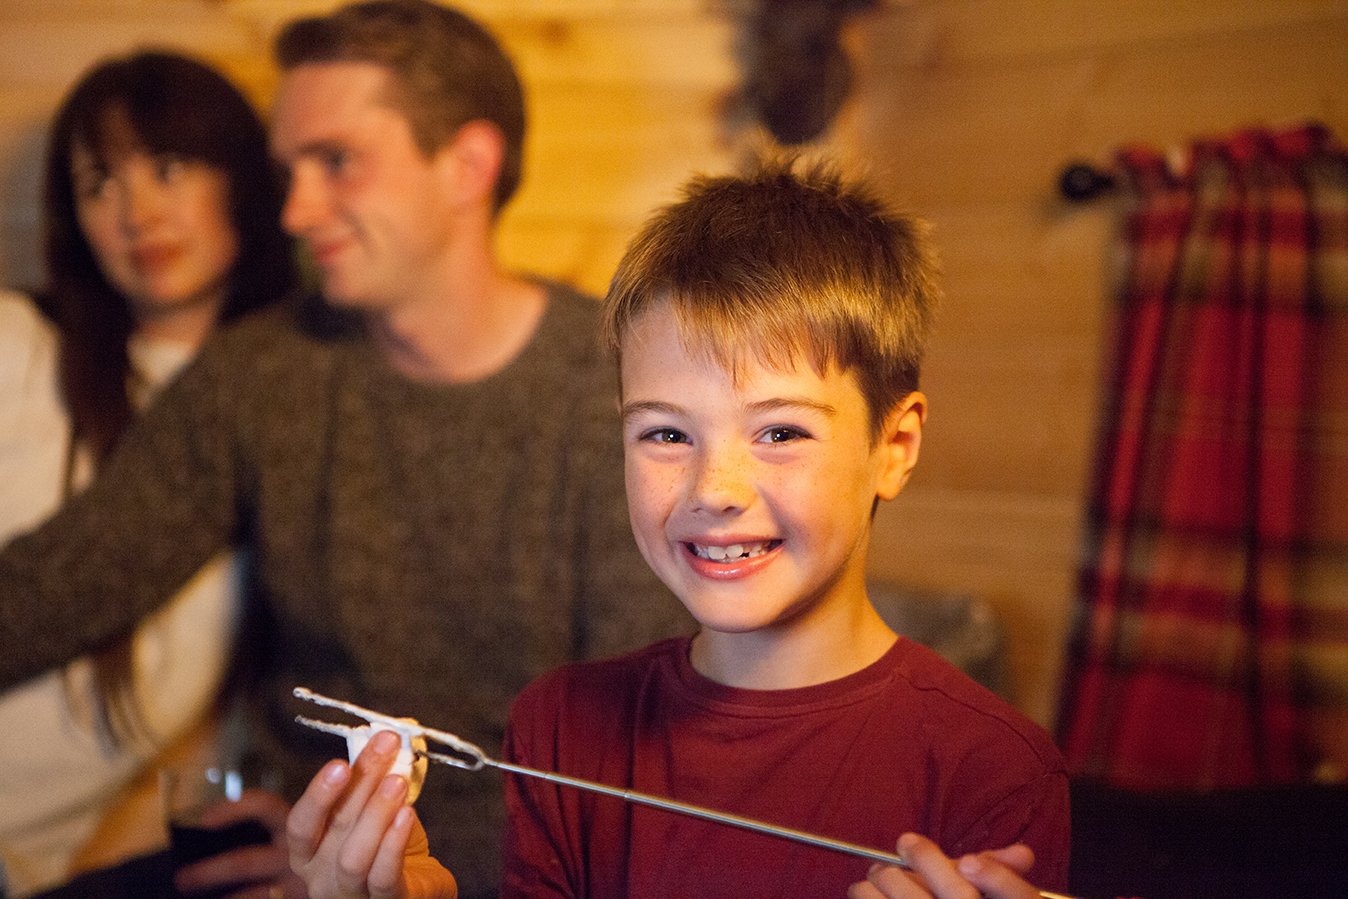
x=157 y=256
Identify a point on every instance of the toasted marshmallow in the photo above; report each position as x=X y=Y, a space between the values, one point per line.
x=410 y=763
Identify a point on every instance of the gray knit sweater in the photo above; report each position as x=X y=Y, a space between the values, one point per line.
x=423 y=550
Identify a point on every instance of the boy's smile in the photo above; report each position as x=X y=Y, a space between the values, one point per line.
x=751 y=496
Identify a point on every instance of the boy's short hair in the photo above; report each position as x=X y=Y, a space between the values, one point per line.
x=447 y=70
x=775 y=264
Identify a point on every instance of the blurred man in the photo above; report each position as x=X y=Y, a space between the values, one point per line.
x=426 y=467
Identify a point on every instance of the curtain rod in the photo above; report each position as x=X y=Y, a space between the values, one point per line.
x=1082 y=181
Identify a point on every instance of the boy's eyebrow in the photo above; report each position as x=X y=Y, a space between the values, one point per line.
x=655 y=407
x=652 y=407
x=794 y=402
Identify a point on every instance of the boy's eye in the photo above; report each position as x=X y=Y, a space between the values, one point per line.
x=782 y=434
x=664 y=435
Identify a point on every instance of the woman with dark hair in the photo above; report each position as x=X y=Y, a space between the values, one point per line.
x=161 y=222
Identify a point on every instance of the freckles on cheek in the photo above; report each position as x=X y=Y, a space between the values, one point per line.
x=650 y=491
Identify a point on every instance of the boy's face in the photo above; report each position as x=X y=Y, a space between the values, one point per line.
x=752 y=500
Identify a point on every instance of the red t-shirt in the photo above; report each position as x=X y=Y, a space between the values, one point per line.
x=908 y=743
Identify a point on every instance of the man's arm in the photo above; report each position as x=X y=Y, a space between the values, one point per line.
x=157 y=511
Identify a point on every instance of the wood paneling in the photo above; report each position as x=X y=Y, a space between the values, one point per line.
x=1015 y=550
x=625 y=98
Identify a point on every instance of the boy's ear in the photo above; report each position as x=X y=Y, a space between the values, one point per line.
x=899 y=441
x=471 y=162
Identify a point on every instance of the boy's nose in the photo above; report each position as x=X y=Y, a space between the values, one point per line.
x=722 y=483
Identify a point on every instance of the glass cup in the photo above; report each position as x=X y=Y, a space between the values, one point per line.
x=189 y=793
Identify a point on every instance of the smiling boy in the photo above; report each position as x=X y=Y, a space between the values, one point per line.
x=769 y=332
x=750 y=493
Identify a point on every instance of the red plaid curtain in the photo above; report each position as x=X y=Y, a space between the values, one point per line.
x=1210 y=646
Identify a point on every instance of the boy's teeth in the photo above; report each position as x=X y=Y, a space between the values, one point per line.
x=733 y=552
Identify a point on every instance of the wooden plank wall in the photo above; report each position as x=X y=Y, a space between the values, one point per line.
x=967 y=110
x=964 y=110
x=624 y=99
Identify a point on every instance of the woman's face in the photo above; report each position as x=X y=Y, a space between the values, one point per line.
x=159 y=226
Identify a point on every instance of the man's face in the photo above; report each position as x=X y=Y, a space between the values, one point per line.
x=371 y=207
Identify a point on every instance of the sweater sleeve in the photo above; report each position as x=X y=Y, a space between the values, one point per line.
x=162 y=505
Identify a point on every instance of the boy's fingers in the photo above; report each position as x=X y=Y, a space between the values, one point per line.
x=926 y=860
x=891 y=882
x=1018 y=857
x=994 y=878
x=308 y=819
x=864 y=890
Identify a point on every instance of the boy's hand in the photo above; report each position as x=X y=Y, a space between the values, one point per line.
x=995 y=874
x=352 y=834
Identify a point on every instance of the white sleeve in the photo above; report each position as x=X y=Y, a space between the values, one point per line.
x=34 y=427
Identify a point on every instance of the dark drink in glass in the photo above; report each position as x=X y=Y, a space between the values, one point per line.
x=192 y=842
x=203 y=818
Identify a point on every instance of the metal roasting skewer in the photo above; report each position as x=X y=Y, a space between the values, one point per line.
x=472 y=758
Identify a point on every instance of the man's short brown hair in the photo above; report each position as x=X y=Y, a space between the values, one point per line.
x=447 y=70
x=777 y=264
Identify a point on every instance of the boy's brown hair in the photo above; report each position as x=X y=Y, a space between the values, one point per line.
x=775 y=264
x=447 y=70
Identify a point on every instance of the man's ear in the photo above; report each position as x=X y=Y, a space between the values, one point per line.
x=899 y=441
x=472 y=162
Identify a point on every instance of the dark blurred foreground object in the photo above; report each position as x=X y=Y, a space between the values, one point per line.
x=146 y=877
x=798 y=75
x=1249 y=843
